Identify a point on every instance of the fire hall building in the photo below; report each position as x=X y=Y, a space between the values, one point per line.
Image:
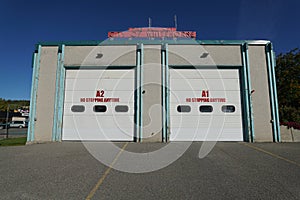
x=154 y=85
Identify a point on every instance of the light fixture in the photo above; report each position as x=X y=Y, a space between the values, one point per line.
x=204 y=55
x=99 y=55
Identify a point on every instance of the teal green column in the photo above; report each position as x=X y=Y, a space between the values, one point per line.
x=273 y=92
x=244 y=93
x=142 y=88
x=138 y=94
x=167 y=100
x=247 y=93
x=56 y=100
x=139 y=78
x=164 y=91
x=33 y=96
x=273 y=64
x=59 y=96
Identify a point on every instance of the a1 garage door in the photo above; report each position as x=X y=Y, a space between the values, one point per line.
x=205 y=105
x=99 y=105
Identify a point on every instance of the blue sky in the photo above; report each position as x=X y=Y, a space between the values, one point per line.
x=24 y=23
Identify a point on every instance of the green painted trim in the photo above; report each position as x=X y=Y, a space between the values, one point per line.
x=33 y=98
x=163 y=88
x=252 y=133
x=69 y=43
x=224 y=42
x=245 y=99
x=33 y=58
x=56 y=100
x=167 y=94
x=138 y=94
x=205 y=67
x=244 y=106
x=163 y=97
x=136 y=41
x=99 y=67
x=273 y=92
x=61 y=95
x=273 y=62
x=141 y=91
x=30 y=126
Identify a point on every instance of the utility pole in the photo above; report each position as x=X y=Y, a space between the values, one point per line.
x=7 y=114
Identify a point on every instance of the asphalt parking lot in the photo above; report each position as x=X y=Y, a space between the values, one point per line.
x=230 y=171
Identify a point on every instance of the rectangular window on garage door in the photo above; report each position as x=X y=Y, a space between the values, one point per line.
x=77 y=108
x=228 y=109
x=183 y=108
x=121 y=108
x=206 y=109
x=100 y=108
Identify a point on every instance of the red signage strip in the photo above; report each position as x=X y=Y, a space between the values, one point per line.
x=99 y=98
x=152 y=33
x=205 y=98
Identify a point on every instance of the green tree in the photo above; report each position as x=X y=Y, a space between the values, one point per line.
x=15 y=104
x=288 y=85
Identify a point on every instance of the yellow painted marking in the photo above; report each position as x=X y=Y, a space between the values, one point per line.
x=99 y=183
x=272 y=154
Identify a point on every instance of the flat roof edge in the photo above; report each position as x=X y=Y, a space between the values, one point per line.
x=154 y=42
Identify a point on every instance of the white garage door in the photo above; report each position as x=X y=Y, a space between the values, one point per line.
x=99 y=105
x=205 y=105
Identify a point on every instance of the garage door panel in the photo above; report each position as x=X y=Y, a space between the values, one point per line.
x=75 y=96
x=94 y=134
x=230 y=96
x=203 y=121
x=100 y=74
x=206 y=135
x=103 y=84
x=98 y=122
x=89 y=109
x=114 y=121
x=208 y=84
x=215 y=125
x=97 y=128
x=195 y=109
x=203 y=74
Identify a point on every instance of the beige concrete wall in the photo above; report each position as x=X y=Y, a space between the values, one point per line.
x=229 y=55
x=289 y=134
x=296 y=135
x=46 y=94
x=152 y=102
x=260 y=98
x=286 y=134
x=111 y=55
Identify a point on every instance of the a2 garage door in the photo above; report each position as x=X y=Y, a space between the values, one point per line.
x=99 y=105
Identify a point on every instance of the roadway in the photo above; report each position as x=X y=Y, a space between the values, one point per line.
x=14 y=132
